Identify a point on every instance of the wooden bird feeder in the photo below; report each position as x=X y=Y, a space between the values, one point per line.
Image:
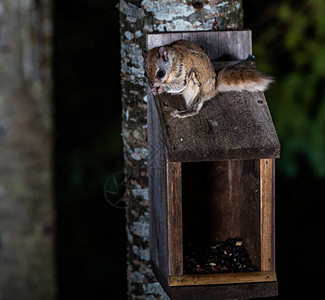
x=211 y=177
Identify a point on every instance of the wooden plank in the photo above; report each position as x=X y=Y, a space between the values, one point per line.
x=250 y=209
x=215 y=291
x=221 y=278
x=175 y=226
x=163 y=280
x=215 y=43
x=230 y=126
x=191 y=36
x=158 y=231
x=156 y=40
x=267 y=214
x=225 y=200
x=225 y=291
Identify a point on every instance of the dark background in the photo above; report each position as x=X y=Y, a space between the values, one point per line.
x=91 y=239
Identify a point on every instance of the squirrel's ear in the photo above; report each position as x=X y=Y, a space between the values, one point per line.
x=145 y=53
x=163 y=53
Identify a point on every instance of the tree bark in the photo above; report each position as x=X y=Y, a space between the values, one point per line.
x=26 y=208
x=136 y=19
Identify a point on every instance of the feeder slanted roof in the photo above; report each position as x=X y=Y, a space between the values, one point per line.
x=233 y=125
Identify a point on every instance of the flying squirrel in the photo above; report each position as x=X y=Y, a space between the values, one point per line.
x=183 y=67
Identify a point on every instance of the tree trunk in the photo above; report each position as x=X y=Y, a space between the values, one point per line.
x=26 y=208
x=136 y=19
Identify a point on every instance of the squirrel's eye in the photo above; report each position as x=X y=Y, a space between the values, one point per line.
x=160 y=74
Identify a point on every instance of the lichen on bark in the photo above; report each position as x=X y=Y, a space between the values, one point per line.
x=137 y=18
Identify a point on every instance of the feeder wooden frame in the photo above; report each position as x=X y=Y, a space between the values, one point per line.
x=253 y=149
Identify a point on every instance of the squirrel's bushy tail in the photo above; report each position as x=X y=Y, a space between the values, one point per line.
x=242 y=76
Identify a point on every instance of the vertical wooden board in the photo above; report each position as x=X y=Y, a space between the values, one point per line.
x=175 y=226
x=176 y=36
x=247 y=42
x=158 y=244
x=225 y=43
x=210 y=43
x=224 y=201
x=250 y=209
x=191 y=36
x=157 y=162
x=158 y=231
x=215 y=43
x=267 y=214
x=202 y=40
x=241 y=41
x=234 y=199
x=235 y=43
x=156 y=40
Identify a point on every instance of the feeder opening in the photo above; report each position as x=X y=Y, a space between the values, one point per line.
x=221 y=216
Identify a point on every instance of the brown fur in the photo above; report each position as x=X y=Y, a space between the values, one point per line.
x=234 y=78
x=184 y=68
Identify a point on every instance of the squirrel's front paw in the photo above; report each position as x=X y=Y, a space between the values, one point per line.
x=157 y=89
x=175 y=113
x=182 y=113
x=161 y=90
x=154 y=91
